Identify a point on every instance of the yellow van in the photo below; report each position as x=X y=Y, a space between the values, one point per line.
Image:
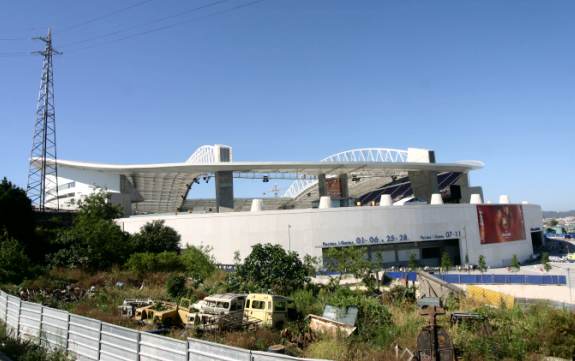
x=271 y=310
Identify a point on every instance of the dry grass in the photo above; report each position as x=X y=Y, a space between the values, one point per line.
x=258 y=340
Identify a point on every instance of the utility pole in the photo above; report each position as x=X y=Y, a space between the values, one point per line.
x=42 y=186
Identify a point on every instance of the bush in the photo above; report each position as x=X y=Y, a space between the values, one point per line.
x=94 y=245
x=482 y=263
x=155 y=237
x=445 y=262
x=351 y=260
x=94 y=241
x=306 y=302
x=142 y=263
x=518 y=333
x=26 y=350
x=400 y=294
x=412 y=264
x=16 y=213
x=14 y=264
x=176 y=286
x=270 y=268
x=373 y=319
x=515 y=262
x=198 y=262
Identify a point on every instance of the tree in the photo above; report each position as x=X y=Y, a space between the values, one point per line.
x=176 y=286
x=14 y=263
x=97 y=206
x=94 y=241
x=270 y=268
x=155 y=237
x=197 y=262
x=17 y=217
x=482 y=264
x=445 y=262
x=412 y=264
x=553 y=222
x=545 y=261
x=515 y=262
x=349 y=260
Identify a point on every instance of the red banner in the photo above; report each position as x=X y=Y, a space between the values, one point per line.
x=500 y=223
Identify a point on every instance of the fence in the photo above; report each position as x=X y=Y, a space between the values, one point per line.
x=503 y=279
x=92 y=340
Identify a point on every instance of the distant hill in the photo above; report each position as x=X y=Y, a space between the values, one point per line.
x=554 y=214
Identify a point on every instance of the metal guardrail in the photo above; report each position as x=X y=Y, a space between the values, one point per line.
x=93 y=340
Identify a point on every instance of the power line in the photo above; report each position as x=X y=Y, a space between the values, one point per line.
x=86 y=22
x=11 y=54
x=104 y=16
x=158 y=20
x=169 y=26
x=14 y=39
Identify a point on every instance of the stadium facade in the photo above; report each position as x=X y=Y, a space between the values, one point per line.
x=394 y=204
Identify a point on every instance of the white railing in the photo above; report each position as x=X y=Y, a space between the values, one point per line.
x=89 y=339
x=360 y=155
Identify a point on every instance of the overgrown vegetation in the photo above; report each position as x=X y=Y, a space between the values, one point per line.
x=21 y=350
x=88 y=265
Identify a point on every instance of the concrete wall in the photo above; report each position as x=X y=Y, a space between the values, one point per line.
x=310 y=229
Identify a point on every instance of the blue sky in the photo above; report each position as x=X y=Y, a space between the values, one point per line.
x=299 y=80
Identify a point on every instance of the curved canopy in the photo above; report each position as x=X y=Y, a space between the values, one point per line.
x=164 y=186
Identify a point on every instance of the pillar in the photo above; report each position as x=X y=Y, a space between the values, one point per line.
x=423 y=184
x=321 y=185
x=344 y=190
x=224 y=191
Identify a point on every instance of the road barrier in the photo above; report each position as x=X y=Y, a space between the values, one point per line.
x=494 y=298
x=93 y=340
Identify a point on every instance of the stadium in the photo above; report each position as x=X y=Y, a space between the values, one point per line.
x=394 y=204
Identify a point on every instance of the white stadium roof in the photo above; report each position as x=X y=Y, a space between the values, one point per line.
x=164 y=186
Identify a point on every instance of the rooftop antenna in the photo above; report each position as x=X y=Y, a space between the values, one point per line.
x=42 y=186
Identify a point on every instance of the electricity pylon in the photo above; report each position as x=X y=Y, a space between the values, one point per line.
x=42 y=186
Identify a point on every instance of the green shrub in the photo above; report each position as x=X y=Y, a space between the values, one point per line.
x=14 y=264
x=374 y=319
x=176 y=286
x=306 y=302
x=94 y=241
x=198 y=263
x=518 y=333
x=155 y=237
x=515 y=262
x=26 y=350
x=400 y=294
x=412 y=264
x=482 y=264
x=142 y=263
x=445 y=262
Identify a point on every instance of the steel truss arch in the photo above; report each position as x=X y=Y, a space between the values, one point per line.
x=359 y=155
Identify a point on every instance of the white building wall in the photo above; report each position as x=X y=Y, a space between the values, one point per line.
x=82 y=183
x=309 y=229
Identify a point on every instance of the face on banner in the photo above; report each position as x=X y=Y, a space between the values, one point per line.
x=500 y=223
